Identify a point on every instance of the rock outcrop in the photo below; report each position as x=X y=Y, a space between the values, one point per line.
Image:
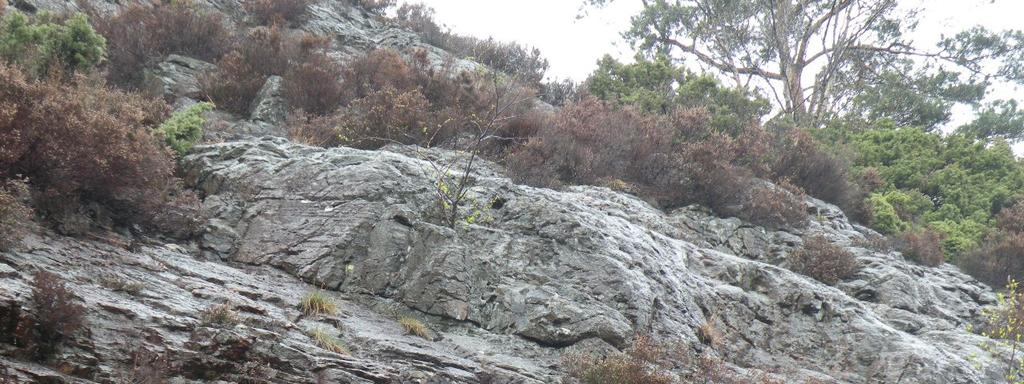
x=540 y=272
x=537 y=272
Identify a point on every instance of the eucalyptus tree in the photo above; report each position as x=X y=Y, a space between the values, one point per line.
x=821 y=58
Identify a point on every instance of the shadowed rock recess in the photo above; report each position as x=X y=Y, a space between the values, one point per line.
x=539 y=273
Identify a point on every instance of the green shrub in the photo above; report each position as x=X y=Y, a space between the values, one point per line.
x=47 y=47
x=884 y=217
x=185 y=128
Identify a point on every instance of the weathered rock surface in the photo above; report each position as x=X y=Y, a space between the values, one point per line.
x=177 y=77
x=540 y=273
x=556 y=268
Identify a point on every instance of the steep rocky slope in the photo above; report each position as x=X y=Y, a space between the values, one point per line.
x=544 y=272
x=540 y=274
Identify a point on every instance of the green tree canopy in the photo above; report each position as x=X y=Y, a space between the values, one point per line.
x=953 y=184
x=819 y=59
x=658 y=85
x=46 y=45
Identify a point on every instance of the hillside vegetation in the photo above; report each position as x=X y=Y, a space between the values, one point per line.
x=87 y=145
x=679 y=137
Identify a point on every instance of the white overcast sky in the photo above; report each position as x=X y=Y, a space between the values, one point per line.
x=573 y=46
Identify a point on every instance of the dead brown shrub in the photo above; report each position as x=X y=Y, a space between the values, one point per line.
x=388 y=116
x=81 y=142
x=923 y=246
x=376 y=7
x=824 y=261
x=998 y=258
x=263 y=52
x=644 y=362
x=15 y=214
x=55 y=317
x=674 y=159
x=140 y=35
x=314 y=85
x=269 y=12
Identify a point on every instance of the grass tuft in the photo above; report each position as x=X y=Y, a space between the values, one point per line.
x=318 y=302
x=412 y=326
x=324 y=339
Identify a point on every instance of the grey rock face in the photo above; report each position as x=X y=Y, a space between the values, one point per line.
x=269 y=106
x=177 y=77
x=538 y=273
x=558 y=268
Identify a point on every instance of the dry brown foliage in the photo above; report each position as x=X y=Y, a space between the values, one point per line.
x=923 y=246
x=824 y=261
x=674 y=159
x=142 y=35
x=15 y=215
x=55 y=317
x=269 y=12
x=644 y=362
x=314 y=85
x=82 y=142
x=263 y=52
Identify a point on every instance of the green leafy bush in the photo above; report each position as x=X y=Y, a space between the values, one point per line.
x=952 y=184
x=48 y=47
x=657 y=85
x=185 y=128
x=885 y=219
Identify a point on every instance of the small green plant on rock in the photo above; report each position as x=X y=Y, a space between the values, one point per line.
x=318 y=302
x=326 y=340
x=185 y=128
x=1005 y=326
